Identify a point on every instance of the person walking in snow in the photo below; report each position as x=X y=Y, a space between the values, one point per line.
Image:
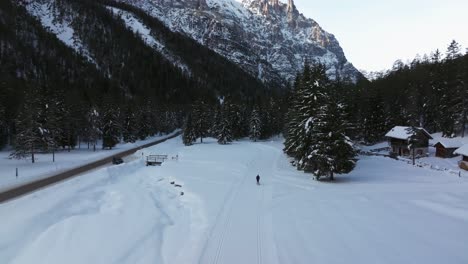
x=258 y=179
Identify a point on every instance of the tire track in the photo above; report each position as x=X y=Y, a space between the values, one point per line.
x=259 y=227
x=224 y=219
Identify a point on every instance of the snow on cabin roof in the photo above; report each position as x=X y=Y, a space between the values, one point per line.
x=449 y=143
x=402 y=132
x=462 y=151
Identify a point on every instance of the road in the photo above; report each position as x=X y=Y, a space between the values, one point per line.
x=39 y=184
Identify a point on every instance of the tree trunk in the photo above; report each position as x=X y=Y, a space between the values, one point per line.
x=332 y=178
x=414 y=156
x=53 y=155
x=32 y=154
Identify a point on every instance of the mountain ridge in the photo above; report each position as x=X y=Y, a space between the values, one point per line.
x=269 y=39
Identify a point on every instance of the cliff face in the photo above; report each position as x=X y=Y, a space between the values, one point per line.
x=267 y=38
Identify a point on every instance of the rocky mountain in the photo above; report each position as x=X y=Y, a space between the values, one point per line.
x=127 y=52
x=267 y=38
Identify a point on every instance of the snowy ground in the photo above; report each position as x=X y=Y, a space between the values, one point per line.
x=64 y=160
x=385 y=211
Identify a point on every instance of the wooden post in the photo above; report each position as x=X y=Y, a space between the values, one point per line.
x=16 y=172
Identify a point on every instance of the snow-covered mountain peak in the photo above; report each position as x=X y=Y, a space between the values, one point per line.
x=269 y=39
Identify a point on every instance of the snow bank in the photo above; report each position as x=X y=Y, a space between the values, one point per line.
x=120 y=214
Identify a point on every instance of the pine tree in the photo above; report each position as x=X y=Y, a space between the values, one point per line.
x=255 y=125
x=374 y=125
x=130 y=129
x=330 y=151
x=111 y=128
x=53 y=121
x=143 y=120
x=295 y=136
x=93 y=126
x=3 y=126
x=451 y=99
x=189 y=136
x=224 y=131
x=201 y=119
x=29 y=131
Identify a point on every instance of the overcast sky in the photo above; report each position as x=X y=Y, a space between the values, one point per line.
x=375 y=33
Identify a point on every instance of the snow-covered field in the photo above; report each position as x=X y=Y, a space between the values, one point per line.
x=385 y=211
x=64 y=160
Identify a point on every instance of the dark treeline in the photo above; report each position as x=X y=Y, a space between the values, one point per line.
x=228 y=121
x=429 y=92
x=51 y=97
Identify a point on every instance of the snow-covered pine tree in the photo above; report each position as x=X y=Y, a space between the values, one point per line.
x=266 y=117
x=53 y=120
x=224 y=131
x=130 y=129
x=189 y=136
x=255 y=125
x=201 y=119
x=143 y=122
x=292 y=118
x=330 y=151
x=93 y=126
x=310 y=101
x=217 y=122
x=111 y=128
x=29 y=131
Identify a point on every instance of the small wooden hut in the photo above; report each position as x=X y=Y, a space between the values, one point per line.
x=446 y=148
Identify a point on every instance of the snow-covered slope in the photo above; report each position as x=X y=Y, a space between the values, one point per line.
x=58 y=24
x=385 y=211
x=137 y=26
x=269 y=39
x=58 y=18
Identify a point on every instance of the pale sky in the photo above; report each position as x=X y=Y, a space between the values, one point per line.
x=375 y=33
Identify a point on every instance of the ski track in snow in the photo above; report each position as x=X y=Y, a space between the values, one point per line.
x=383 y=212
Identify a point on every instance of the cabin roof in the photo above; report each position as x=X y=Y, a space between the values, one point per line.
x=462 y=151
x=404 y=133
x=449 y=143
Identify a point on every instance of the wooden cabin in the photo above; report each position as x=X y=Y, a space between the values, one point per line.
x=399 y=140
x=446 y=148
x=463 y=151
